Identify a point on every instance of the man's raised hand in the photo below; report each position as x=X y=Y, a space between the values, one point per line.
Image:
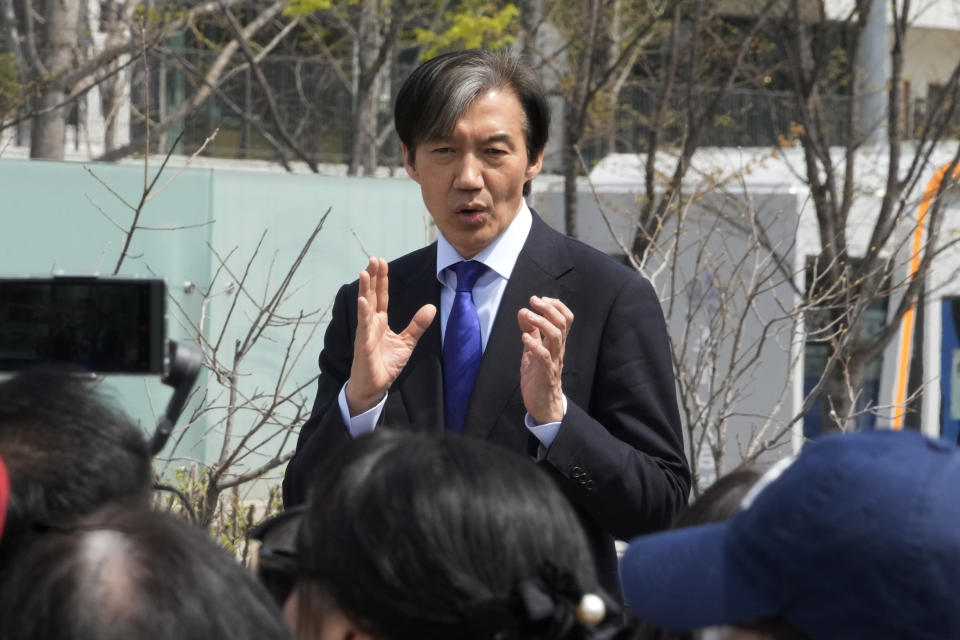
x=544 y=343
x=379 y=354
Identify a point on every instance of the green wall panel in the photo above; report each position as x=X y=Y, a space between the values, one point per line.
x=51 y=219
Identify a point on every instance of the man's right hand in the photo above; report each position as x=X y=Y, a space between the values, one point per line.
x=379 y=354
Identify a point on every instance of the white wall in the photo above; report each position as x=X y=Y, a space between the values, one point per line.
x=930 y=56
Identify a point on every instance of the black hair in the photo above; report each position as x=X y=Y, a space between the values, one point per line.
x=436 y=95
x=125 y=573
x=417 y=537
x=274 y=561
x=721 y=500
x=4 y=494
x=67 y=451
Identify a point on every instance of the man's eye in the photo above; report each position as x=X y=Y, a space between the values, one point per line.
x=443 y=150
x=496 y=152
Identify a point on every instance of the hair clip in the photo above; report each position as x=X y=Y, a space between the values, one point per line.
x=591 y=610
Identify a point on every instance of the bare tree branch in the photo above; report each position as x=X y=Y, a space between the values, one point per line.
x=210 y=80
x=267 y=91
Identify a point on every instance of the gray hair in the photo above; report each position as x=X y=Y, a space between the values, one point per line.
x=438 y=92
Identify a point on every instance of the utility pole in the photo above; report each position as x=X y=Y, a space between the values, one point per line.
x=874 y=57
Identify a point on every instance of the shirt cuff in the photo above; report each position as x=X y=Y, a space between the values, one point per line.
x=364 y=422
x=545 y=433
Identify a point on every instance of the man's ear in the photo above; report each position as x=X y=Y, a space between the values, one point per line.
x=533 y=169
x=409 y=163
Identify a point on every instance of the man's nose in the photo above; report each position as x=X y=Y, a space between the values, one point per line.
x=469 y=175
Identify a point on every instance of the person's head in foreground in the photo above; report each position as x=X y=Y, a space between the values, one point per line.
x=126 y=573
x=858 y=538
x=68 y=451
x=4 y=495
x=413 y=537
x=721 y=500
x=718 y=503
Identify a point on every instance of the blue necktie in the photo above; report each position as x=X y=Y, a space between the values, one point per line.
x=462 y=346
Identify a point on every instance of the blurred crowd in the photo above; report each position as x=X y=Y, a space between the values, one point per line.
x=408 y=536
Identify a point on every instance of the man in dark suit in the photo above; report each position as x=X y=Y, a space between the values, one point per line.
x=591 y=400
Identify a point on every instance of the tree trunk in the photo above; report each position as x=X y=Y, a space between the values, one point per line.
x=843 y=384
x=616 y=37
x=48 y=131
x=574 y=116
x=368 y=128
x=211 y=501
x=357 y=121
x=111 y=91
x=834 y=403
x=364 y=116
x=571 y=162
x=531 y=14
x=363 y=120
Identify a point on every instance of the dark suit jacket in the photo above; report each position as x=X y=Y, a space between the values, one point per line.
x=618 y=454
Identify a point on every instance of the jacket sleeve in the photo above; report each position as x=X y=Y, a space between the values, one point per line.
x=324 y=430
x=622 y=458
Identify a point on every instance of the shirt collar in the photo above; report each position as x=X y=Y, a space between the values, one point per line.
x=500 y=255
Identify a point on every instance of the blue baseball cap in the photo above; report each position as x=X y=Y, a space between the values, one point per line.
x=858 y=538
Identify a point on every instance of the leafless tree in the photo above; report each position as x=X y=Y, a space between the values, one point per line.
x=741 y=305
x=58 y=63
x=361 y=42
x=732 y=296
x=604 y=46
x=252 y=425
x=709 y=250
x=835 y=177
x=208 y=80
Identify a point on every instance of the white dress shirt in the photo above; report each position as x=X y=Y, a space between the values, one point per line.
x=499 y=256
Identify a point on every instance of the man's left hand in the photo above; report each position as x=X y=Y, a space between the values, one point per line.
x=545 y=329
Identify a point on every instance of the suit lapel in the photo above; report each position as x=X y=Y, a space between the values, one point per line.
x=421 y=382
x=540 y=264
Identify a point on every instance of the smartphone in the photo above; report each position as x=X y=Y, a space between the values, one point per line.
x=98 y=324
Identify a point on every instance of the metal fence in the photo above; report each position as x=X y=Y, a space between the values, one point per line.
x=744 y=117
x=315 y=106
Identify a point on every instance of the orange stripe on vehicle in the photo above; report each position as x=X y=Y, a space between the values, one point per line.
x=909 y=317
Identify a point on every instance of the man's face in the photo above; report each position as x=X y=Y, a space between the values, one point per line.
x=472 y=182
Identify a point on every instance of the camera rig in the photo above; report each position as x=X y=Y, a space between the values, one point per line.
x=183 y=369
x=101 y=325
